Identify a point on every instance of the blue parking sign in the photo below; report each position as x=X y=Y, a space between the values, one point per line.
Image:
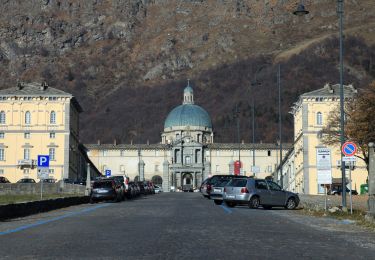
x=107 y=173
x=43 y=160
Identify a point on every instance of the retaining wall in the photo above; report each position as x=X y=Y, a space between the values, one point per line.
x=34 y=188
x=29 y=208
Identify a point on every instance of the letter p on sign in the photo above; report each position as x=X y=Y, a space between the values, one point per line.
x=43 y=160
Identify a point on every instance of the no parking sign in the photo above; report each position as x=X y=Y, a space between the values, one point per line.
x=349 y=148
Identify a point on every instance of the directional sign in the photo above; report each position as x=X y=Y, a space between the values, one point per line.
x=349 y=159
x=107 y=173
x=43 y=173
x=43 y=160
x=349 y=148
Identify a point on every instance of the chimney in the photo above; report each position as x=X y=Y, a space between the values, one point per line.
x=19 y=85
x=44 y=86
x=115 y=142
x=243 y=141
x=98 y=141
x=131 y=141
x=148 y=142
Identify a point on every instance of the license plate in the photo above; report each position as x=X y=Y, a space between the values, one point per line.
x=102 y=191
x=230 y=196
x=217 y=190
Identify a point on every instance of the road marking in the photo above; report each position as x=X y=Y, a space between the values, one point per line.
x=52 y=219
x=227 y=210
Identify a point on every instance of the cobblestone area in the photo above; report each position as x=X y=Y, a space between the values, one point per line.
x=317 y=201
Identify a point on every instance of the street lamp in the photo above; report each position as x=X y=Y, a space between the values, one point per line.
x=340 y=10
x=254 y=83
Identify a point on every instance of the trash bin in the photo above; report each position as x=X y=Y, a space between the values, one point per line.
x=364 y=189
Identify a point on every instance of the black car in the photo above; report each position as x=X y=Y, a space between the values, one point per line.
x=338 y=191
x=4 y=180
x=105 y=190
x=26 y=180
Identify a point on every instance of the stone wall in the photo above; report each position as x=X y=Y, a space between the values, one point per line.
x=34 y=188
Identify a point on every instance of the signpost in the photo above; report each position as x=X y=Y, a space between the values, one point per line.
x=324 y=169
x=108 y=173
x=349 y=149
x=43 y=170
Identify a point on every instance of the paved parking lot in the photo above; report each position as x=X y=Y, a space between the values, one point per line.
x=180 y=226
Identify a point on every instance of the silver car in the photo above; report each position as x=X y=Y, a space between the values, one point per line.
x=256 y=192
x=217 y=189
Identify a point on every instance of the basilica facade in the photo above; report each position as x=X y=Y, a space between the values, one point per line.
x=187 y=153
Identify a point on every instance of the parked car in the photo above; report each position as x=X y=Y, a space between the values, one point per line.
x=49 y=180
x=120 y=184
x=133 y=190
x=26 y=180
x=204 y=187
x=4 y=180
x=158 y=189
x=106 y=189
x=70 y=181
x=256 y=192
x=338 y=191
x=80 y=182
x=217 y=187
x=142 y=189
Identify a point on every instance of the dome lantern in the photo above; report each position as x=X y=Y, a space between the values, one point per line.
x=188 y=94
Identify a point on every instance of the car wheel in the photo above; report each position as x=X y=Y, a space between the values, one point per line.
x=230 y=204
x=254 y=202
x=291 y=203
x=267 y=207
x=218 y=202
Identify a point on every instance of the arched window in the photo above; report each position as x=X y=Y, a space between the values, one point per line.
x=52 y=118
x=27 y=118
x=2 y=117
x=136 y=179
x=319 y=118
x=157 y=180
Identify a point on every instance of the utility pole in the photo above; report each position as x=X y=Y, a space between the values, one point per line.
x=280 y=132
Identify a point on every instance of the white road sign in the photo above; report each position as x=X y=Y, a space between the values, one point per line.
x=43 y=173
x=349 y=159
x=323 y=165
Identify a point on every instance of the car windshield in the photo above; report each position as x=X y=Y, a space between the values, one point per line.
x=102 y=184
x=238 y=182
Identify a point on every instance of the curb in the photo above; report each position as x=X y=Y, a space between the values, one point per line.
x=29 y=208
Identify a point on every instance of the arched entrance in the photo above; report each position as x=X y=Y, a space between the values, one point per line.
x=187 y=182
x=157 y=180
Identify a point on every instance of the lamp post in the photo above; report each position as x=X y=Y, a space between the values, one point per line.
x=254 y=83
x=280 y=132
x=340 y=10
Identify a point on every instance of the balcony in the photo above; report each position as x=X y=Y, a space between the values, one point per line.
x=27 y=163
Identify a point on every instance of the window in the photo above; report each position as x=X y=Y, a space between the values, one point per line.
x=2 y=117
x=261 y=185
x=27 y=135
x=26 y=171
x=269 y=152
x=188 y=160
x=2 y=135
x=52 y=135
x=1 y=171
x=122 y=152
x=273 y=186
x=26 y=154
x=52 y=154
x=2 y=154
x=104 y=152
x=269 y=168
x=51 y=171
x=52 y=118
x=319 y=118
x=156 y=168
x=217 y=168
x=27 y=118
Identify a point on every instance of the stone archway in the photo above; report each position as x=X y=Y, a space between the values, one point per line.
x=157 y=180
x=187 y=182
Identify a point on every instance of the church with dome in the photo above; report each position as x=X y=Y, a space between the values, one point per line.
x=187 y=153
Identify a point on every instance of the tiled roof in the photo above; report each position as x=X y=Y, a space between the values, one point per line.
x=331 y=90
x=258 y=146
x=33 y=89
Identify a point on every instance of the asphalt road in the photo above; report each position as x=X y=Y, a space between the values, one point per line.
x=180 y=226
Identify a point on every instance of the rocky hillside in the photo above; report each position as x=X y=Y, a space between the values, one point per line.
x=127 y=61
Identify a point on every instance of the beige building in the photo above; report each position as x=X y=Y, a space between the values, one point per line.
x=310 y=116
x=187 y=153
x=36 y=119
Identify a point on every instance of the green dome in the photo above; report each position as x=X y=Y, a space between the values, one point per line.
x=188 y=115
